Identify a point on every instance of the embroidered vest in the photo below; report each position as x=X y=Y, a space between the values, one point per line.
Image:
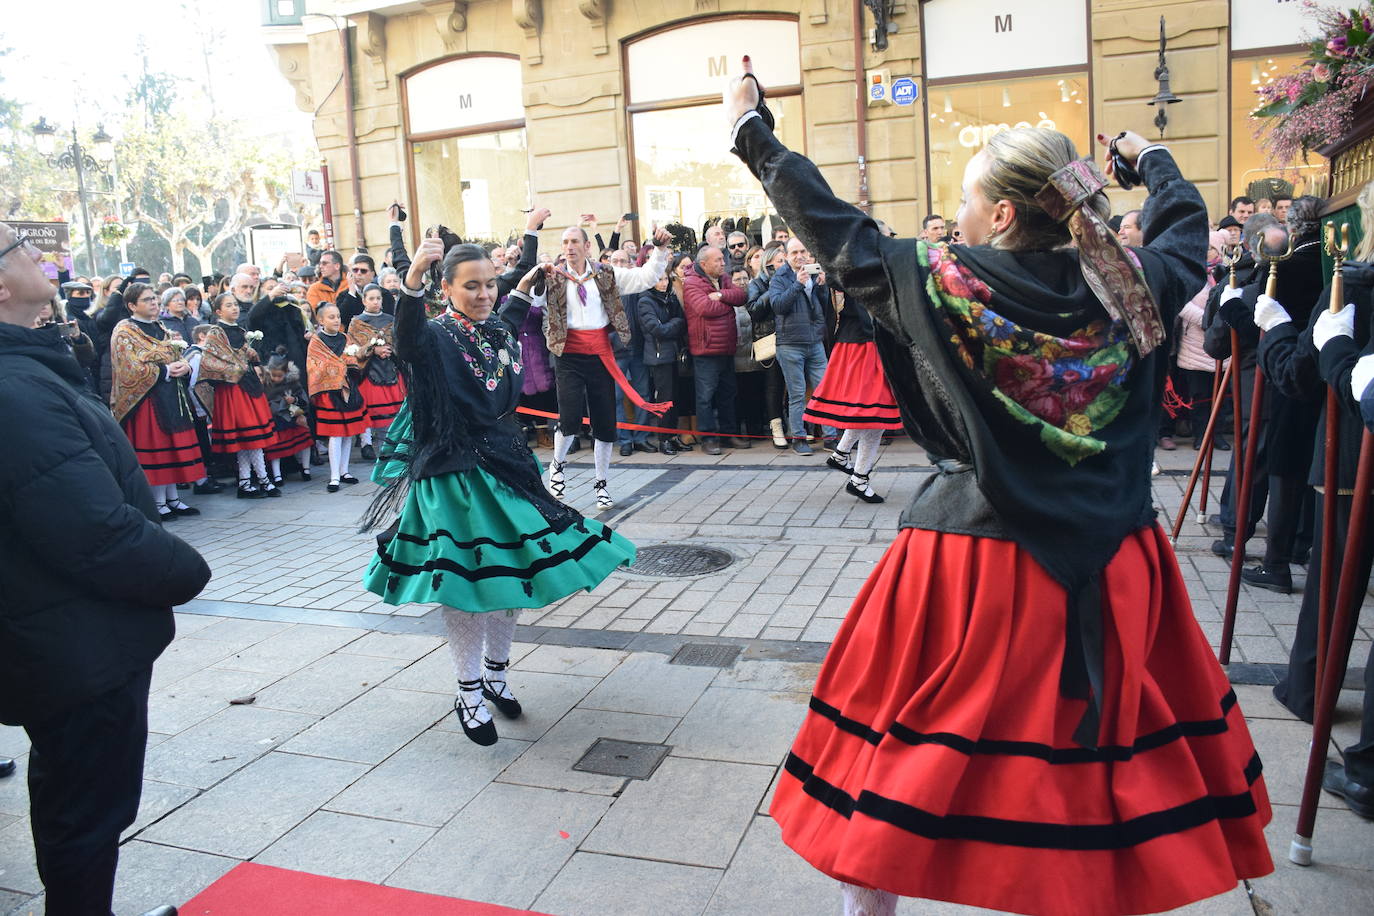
x=556 y=308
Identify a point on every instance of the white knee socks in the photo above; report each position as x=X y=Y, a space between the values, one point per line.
x=869 y=440
x=245 y=470
x=863 y=901
x=276 y=468
x=500 y=633
x=340 y=448
x=366 y=437
x=259 y=460
x=304 y=458
x=466 y=634
x=601 y=455
x=847 y=440
x=561 y=444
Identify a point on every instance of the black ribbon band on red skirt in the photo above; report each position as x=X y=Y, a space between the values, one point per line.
x=598 y=343
x=1081 y=676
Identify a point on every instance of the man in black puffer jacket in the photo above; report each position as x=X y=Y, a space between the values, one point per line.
x=88 y=579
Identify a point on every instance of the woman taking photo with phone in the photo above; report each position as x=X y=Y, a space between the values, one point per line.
x=1020 y=711
x=477 y=534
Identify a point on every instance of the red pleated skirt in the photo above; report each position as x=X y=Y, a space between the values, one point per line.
x=853 y=393
x=289 y=441
x=331 y=421
x=165 y=457
x=240 y=421
x=383 y=401
x=937 y=758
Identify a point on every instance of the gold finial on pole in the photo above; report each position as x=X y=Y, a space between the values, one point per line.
x=1338 y=252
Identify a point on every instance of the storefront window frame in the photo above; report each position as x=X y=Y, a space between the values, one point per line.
x=410 y=139
x=931 y=85
x=1234 y=57
x=774 y=92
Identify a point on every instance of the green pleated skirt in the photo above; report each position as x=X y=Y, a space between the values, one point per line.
x=468 y=541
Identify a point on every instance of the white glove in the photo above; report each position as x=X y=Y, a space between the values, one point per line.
x=1361 y=376
x=1328 y=326
x=1269 y=314
x=1231 y=292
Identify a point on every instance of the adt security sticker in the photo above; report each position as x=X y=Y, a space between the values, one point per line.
x=905 y=91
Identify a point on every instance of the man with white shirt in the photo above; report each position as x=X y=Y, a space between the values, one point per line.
x=581 y=306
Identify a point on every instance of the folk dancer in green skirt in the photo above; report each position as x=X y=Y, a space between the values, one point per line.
x=477 y=532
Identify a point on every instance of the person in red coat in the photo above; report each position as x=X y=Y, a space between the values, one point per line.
x=710 y=300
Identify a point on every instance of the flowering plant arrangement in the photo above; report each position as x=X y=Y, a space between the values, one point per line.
x=1316 y=103
x=376 y=342
x=351 y=350
x=112 y=232
x=253 y=336
x=177 y=343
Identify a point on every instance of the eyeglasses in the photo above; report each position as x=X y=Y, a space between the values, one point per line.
x=362 y=270
x=739 y=245
x=29 y=249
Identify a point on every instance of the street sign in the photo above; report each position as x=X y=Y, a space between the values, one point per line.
x=905 y=91
x=307 y=186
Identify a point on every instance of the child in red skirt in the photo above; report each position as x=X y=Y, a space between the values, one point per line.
x=854 y=396
x=289 y=403
x=331 y=368
x=149 y=397
x=240 y=420
x=373 y=332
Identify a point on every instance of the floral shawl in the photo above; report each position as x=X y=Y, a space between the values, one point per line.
x=326 y=371
x=221 y=362
x=136 y=362
x=362 y=334
x=1066 y=386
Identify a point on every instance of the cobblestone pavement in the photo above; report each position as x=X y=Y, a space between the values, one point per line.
x=348 y=762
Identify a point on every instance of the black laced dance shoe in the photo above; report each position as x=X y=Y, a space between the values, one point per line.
x=498 y=692
x=483 y=733
x=861 y=489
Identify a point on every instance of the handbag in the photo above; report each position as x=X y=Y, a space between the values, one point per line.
x=765 y=348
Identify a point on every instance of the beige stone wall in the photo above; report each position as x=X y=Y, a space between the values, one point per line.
x=571 y=55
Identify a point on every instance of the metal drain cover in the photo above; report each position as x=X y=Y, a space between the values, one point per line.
x=630 y=759
x=675 y=561
x=705 y=655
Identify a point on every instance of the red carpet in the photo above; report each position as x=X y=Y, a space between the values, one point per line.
x=261 y=890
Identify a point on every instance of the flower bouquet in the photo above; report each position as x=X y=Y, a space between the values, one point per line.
x=177 y=343
x=351 y=350
x=112 y=232
x=252 y=336
x=1315 y=104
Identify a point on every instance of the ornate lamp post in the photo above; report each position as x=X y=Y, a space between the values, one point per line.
x=79 y=158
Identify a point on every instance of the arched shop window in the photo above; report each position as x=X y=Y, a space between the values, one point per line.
x=1265 y=45
x=465 y=133
x=1040 y=80
x=681 y=172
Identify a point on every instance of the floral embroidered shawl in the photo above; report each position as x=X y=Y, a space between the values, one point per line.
x=362 y=333
x=1068 y=387
x=324 y=370
x=221 y=362
x=136 y=360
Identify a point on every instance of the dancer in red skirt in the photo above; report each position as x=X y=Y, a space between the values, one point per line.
x=150 y=399
x=373 y=332
x=1020 y=711
x=331 y=370
x=290 y=417
x=854 y=396
x=240 y=420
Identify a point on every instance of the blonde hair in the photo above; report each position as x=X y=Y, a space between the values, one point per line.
x=1365 y=250
x=1019 y=163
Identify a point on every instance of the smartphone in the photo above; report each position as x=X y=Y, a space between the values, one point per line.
x=812 y=269
x=630 y=217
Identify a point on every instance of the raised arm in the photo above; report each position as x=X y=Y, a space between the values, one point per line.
x=410 y=304
x=1174 y=220
x=529 y=253
x=638 y=279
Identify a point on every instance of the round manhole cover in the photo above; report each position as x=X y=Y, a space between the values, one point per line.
x=679 y=560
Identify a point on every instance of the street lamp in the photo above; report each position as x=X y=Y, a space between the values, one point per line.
x=80 y=159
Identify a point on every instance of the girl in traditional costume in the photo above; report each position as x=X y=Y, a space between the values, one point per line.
x=478 y=533
x=1020 y=711
x=290 y=415
x=382 y=388
x=854 y=396
x=331 y=368
x=150 y=399
x=240 y=420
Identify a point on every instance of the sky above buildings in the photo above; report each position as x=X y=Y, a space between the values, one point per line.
x=81 y=56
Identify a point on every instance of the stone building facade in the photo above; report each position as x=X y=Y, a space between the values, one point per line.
x=470 y=112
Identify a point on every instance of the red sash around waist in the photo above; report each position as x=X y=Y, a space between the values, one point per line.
x=598 y=343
